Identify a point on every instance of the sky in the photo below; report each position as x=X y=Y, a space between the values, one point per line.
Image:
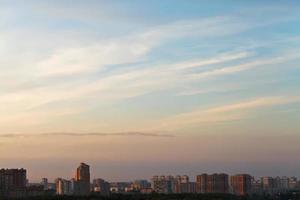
x=140 y=88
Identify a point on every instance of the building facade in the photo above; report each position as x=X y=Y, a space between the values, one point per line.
x=163 y=184
x=12 y=182
x=241 y=184
x=214 y=183
x=63 y=187
x=101 y=186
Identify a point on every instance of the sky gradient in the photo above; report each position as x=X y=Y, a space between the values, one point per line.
x=139 y=88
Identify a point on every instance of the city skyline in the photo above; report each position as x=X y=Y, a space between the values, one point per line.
x=83 y=173
x=14 y=183
x=138 y=88
x=89 y=175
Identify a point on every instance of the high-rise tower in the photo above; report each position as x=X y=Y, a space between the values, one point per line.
x=82 y=186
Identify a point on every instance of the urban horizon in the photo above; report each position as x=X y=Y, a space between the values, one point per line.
x=192 y=176
x=14 y=184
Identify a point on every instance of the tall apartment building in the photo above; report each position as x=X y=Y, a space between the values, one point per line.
x=214 y=183
x=241 y=184
x=82 y=178
x=201 y=183
x=12 y=182
x=182 y=184
x=163 y=184
x=83 y=172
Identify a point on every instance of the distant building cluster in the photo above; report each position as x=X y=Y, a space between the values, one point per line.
x=80 y=185
x=271 y=185
x=239 y=184
x=13 y=183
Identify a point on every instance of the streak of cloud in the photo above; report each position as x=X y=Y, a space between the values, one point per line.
x=225 y=113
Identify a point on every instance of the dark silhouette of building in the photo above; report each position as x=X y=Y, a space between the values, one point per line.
x=12 y=182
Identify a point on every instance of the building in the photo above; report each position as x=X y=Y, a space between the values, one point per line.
x=83 y=173
x=292 y=183
x=256 y=186
x=101 y=186
x=163 y=184
x=280 y=184
x=182 y=184
x=44 y=183
x=201 y=183
x=121 y=187
x=139 y=185
x=82 y=180
x=80 y=185
x=35 y=191
x=284 y=183
x=267 y=185
x=214 y=183
x=171 y=184
x=241 y=184
x=63 y=187
x=192 y=187
x=217 y=183
x=272 y=185
x=12 y=182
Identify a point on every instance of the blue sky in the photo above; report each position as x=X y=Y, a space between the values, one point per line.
x=150 y=73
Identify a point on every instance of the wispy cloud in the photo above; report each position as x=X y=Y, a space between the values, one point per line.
x=28 y=104
x=215 y=60
x=68 y=74
x=81 y=60
x=197 y=91
x=256 y=103
x=225 y=113
x=246 y=66
x=132 y=48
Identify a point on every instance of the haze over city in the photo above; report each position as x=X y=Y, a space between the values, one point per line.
x=143 y=88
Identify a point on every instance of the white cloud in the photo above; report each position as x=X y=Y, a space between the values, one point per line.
x=215 y=60
x=134 y=47
x=242 y=67
x=61 y=69
x=80 y=60
x=115 y=87
x=196 y=91
x=225 y=113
